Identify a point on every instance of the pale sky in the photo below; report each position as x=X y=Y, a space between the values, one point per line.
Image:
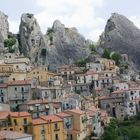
x=88 y=16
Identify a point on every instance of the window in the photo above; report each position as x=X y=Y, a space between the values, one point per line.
x=15 y=89
x=56 y=137
x=25 y=120
x=56 y=126
x=2 y=99
x=37 y=114
x=15 y=121
x=17 y=66
x=11 y=129
x=13 y=79
x=132 y=93
x=43 y=130
x=97 y=83
x=22 y=89
x=131 y=105
x=25 y=129
x=71 y=138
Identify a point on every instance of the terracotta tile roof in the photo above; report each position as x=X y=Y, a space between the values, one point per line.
x=64 y=66
x=52 y=118
x=134 y=88
x=98 y=89
x=3 y=85
x=76 y=111
x=63 y=114
x=91 y=73
x=12 y=135
x=38 y=121
x=19 y=82
x=4 y=115
x=104 y=97
x=20 y=114
x=119 y=91
x=31 y=102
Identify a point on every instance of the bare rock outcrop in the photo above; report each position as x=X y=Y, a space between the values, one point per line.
x=66 y=45
x=4 y=29
x=122 y=36
x=30 y=36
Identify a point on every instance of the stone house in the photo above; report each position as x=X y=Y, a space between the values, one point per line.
x=38 y=108
x=95 y=67
x=19 y=91
x=49 y=93
x=68 y=71
x=20 y=63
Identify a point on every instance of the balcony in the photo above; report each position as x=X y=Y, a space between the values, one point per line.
x=18 y=98
x=56 y=129
x=25 y=91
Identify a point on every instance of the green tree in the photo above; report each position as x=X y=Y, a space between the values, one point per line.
x=50 y=30
x=81 y=62
x=116 y=57
x=129 y=129
x=92 y=47
x=106 y=53
x=8 y=43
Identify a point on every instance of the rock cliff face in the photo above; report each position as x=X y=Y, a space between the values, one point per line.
x=123 y=36
x=60 y=45
x=31 y=38
x=4 y=28
x=66 y=45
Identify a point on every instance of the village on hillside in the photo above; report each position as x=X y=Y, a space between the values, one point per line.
x=70 y=104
